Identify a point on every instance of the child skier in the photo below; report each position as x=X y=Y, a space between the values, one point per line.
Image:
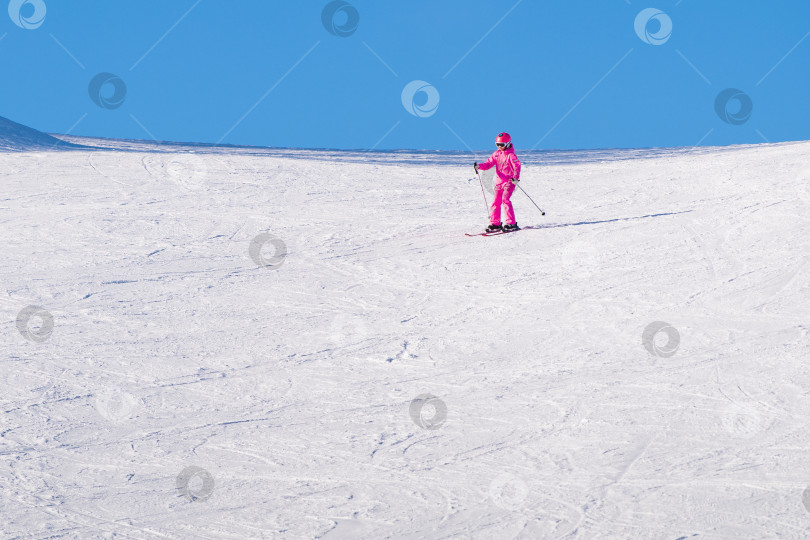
x=507 y=167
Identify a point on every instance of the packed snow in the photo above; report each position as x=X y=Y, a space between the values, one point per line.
x=234 y=342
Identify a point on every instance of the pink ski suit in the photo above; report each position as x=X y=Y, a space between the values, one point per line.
x=507 y=166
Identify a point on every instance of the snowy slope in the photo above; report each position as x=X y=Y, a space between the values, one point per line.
x=16 y=137
x=292 y=386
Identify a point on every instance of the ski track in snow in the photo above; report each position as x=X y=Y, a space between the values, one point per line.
x=292 y=385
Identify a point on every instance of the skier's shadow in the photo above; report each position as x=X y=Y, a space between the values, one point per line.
x=557 y=225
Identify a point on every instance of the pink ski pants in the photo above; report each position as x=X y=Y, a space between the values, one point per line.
x=503 y=192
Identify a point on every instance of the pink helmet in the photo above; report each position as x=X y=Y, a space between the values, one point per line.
x=503 y=138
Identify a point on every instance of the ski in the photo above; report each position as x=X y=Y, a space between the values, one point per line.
x=498 y=233
x=494 y=233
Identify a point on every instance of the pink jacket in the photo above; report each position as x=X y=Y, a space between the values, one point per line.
x=507 y=164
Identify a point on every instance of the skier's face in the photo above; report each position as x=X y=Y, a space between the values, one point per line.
x=500 y=145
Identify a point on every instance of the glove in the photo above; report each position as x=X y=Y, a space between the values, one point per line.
x=475 y=166
x=515 y=180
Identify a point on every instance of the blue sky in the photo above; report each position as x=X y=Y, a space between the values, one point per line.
x=555 y=74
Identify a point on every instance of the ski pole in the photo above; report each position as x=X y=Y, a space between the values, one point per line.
x=483 y=192
x=534 y=203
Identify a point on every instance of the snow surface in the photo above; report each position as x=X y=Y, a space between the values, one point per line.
x=291 y=386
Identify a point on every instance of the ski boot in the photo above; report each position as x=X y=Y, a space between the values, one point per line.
x=511 y=227
x=494 y=228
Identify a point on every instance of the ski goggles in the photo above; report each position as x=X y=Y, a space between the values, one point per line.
x=501 y=144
